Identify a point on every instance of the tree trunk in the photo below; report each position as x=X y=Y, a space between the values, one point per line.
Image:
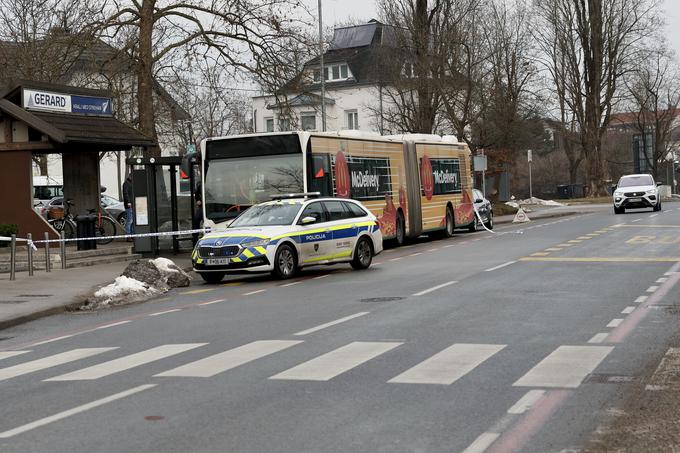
x=41 y=161
x=145 y=105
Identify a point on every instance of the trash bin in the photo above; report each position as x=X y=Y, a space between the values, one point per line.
x=576 y=191
x=563 y=191
x=86 y=229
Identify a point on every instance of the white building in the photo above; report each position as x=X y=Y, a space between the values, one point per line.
x=353 y=89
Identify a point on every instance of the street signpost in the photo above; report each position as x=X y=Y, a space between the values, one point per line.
x=529 y=159
x=480 y=165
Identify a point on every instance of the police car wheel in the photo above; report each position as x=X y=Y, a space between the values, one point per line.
x=363 y=254
x=285 y=262
x=489 y=223
x=212 y=277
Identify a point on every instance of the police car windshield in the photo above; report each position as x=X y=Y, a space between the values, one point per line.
x=268 y=214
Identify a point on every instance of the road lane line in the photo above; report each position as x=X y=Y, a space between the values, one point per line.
x=232 y=284
x=219 y=363
x=74 y=411
x=616 y=322
x=119 y=323
x=622 y=259
x=500 y=266
x=197 y=291
x=63 y=337
x=416 y=254
x=125 y=363
x=651 y=289
x=48 y=362
x=449 y=365
x=525 y=403
x=292 y=283
x=329 y=324
x=395 y=259
x=433 y=250
x=8 y=354
x=662 y=280
x=575 y=241
x=553 y=249
x=217 y=301
x=565 y=245
x=653 y=215
x=482 y=443
x=334 y=363
x=565 y=367
x=322 y=276
x=599 y=337
x=435 y=288
x=628 y=310
x=158 y=313
x=641 y=299
x=583 y=238
x=254 y=292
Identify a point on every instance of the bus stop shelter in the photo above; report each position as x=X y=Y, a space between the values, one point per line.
x=41 y=118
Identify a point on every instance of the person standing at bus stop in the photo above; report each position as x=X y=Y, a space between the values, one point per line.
x=127 y=200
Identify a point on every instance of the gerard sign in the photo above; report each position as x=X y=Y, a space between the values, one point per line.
x=47 y=101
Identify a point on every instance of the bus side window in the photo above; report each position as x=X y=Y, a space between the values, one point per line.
x=320 y=174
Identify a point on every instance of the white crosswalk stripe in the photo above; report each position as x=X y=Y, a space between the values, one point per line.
x=126 y=363
x=449 y=365
x=8 y=354
x=48 y=362
x=218 y=363
x=565 y=367
x=334 y=363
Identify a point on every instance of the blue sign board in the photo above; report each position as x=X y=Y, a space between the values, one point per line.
x=91 y=106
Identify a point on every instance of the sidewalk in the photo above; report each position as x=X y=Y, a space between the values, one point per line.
x=29 y=298
x=546 y=212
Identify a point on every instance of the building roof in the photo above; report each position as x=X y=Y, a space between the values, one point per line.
x=302 y=100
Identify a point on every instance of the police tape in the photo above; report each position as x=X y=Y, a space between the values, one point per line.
x=97 y=238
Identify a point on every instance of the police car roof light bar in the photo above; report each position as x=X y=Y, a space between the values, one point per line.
x=285 y=196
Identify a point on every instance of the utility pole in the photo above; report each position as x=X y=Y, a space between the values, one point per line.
x=531 y=192
x=323 y=74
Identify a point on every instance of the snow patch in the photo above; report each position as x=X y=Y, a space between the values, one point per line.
x=164 y=265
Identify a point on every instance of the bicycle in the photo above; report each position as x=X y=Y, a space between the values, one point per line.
x=63 y=220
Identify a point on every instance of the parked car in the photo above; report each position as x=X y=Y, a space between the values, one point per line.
x=636 y=191
x=484 y=208
x=114 y=208
x=283 y=235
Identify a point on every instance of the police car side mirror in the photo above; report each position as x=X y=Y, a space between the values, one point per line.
x=308 y=220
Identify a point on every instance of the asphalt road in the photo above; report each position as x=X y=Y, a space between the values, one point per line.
x=520 y=340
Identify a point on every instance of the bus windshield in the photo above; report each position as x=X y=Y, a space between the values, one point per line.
x=234 y=184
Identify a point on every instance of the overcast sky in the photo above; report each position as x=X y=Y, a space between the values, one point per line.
x=339 y=11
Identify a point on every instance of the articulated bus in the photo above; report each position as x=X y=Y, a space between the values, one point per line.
x=413 y=184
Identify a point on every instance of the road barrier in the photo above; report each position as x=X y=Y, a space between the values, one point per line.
x=31 y=246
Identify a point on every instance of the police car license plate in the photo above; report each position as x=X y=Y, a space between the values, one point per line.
x=216 y=261
x=634 y=200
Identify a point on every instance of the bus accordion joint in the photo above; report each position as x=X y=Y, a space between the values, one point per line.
x=285 y=196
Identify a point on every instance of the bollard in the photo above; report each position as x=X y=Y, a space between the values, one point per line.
x=62 y=250
x=48 y=264
x=29 y=249
x=13 y=258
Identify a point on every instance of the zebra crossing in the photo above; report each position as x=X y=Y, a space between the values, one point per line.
x=564 y=367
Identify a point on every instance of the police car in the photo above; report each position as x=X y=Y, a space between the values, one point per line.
x=287 y=233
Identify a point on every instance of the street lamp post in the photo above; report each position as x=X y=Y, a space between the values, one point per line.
x=529 y=159
x=323 y=75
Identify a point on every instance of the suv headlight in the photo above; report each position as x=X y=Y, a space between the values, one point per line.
x=618 y=194
x=651 y=191
x=255 y=243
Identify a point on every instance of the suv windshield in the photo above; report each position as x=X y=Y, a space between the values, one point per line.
x=267 y=214
x=631 y=181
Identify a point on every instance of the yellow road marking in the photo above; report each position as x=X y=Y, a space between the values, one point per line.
x=233 y=284
x=540 y=254
x=649 y=226
x=198 y=291
x=622 y=259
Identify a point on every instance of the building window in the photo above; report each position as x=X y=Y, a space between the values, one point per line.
x=269 y=124
x=284 y=124
x=336 y=72
x=352 y=119
x=333 y=72
x=308 y=121
x=343 y=71
x=317 y=75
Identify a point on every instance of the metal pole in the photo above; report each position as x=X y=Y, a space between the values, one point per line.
x=62 y=250
x=484 y=179
x=13 y=258
x=531 y=192
x=323 y=75
x=47 y=253
x=29 y=250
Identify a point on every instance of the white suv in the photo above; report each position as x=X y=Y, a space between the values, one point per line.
x=636 y=191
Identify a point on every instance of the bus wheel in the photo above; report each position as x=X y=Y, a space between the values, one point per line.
x=450 y=223
x=401 y=234
x=285 y=262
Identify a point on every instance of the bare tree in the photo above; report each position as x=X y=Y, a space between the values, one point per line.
x=655 y=93
x=598 y=41
x=244 y=34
